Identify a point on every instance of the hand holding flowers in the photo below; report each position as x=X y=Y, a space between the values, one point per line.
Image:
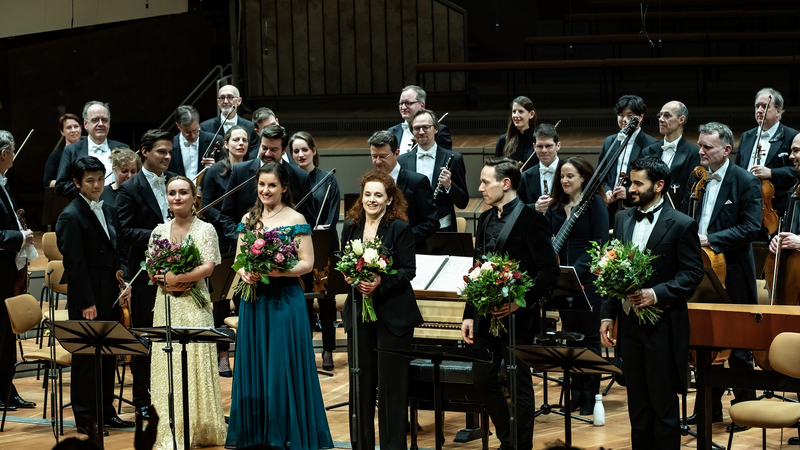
x=165 y=261
x=263 y=252
x=364 y=262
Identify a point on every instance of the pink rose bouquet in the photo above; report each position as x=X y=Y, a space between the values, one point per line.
x=261 y=252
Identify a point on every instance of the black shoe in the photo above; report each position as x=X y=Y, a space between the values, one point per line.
x=736 y=428
x=716 y=417
x=116 y=422
x=587 y=410
x=20 y=403
x=226 y=374
x=85 y=430
x=4 y=408
x=794 y=441
x=143 y=412
x=316 y=326
x=327 y=360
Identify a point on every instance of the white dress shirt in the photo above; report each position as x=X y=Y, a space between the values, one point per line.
x=766 y=135
x=395 y=172
x=426 y=160
x=622 y=164
x=668 y=150
x=97 y=209
x=547 y=173
x=406 y=143
x=712 y=190
x=227 y=124
x=641 y=234
x=103 y=153
x=190 y=153
x=159 y=187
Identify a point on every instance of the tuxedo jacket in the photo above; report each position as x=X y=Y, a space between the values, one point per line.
x=11 y=241
x=235 y=206
x=204 y=140
x=678 y=272
x=446 y=201
x=212 y=125
x=780 y=147
x=525 y=148
x=611 y=143
x=91 y=258
x=422 y=213
x=64 y=184
x=687 y=157
x=139 y=214
x=443 y=138
x=525 y=238
x=530 y=185
x=394 y=300
x=735 y=222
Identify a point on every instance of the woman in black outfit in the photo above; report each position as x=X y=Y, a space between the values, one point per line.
x=70 y=127
x=382 y=213
x=125 y=163
x=326 y=208
x=215 y=184
x=592 y=226
x=518 y=142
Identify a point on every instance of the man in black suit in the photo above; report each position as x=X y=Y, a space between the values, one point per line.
x=440 y=166
x=537 y=183
x=655 y=355
x=729 y=219
x=190 y=145
x=13 y=240
x=412 y=99
x=87 y=234
x=141 y=206
x=790 y=239
x=422 y=213
x=516 y=229
x=262 y=118
x=680 y=155
x=627 y=107
x=97 y=121
x=274 y=140
x=228 y=101
x=772 y=163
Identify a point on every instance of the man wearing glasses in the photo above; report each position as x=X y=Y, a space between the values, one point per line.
x=412 y=99
x=97 y=121
x=228 y=101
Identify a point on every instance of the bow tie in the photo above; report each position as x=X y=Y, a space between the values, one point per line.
x=764 y=135
x=96 y=206
x=621 y=136
x=162 y=179
x=188 y=144
x=425 y=154
x=98 y=149
x=714 y=177
x=639 y=214
x=545 y=170
x=672 y=146
x=229 y=122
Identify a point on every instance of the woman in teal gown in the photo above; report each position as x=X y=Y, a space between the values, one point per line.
x=277 y=399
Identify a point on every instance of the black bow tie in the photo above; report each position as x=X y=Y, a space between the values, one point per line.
x=639 y=214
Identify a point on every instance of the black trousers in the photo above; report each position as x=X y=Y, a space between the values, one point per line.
x=8 y=349
x=143 y=298
x=388 y=373
x=487 y=381
x=584 y=387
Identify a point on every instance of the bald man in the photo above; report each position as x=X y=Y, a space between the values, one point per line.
x=228 y=100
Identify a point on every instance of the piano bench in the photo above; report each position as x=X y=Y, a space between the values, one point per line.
x=458 y=395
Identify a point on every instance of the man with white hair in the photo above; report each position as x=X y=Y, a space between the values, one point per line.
x=228 y=100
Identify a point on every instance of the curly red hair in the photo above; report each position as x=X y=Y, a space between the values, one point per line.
x=395 y=210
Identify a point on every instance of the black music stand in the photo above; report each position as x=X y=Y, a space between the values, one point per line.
x=109 y=338
x=221 y=280
x=322 y=250
x=568 y=360
x=450 y=243
x=186 y=335
x=437 y=354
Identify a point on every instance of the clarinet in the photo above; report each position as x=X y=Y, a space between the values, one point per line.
x=439 y=185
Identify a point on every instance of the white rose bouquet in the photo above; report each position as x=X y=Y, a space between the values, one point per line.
x=363 y=261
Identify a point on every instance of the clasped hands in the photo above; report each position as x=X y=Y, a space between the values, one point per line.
x=640 y=299
x=365 y=287
x=172 y=283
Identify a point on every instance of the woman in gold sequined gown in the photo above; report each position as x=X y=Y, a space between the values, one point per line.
x=206 y=417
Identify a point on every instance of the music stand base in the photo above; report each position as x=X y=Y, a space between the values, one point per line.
x=468 y=434
x=686 y=431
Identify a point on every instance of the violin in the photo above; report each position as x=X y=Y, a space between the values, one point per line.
x=621 y=180
x=546 y=189
x=124 y=311
x=711 y=259
x=23 y=278
x=770 y=219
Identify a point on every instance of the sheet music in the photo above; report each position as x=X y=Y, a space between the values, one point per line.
x=451 y=276
x=427 y=267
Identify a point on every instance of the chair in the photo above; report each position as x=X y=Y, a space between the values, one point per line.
x=25 y=314
x=461 y=224
x=51 y=251
x=784 y=358
x=57 y=267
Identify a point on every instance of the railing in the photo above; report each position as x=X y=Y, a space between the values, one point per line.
x=216 y=76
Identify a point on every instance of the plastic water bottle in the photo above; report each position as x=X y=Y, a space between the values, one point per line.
x=599 y=411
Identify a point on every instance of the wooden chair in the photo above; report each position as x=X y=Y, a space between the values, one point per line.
x=57 y=267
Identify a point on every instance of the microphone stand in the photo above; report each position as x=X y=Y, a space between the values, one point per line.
x=511 y=370
x=168 y=350
x=355 y=369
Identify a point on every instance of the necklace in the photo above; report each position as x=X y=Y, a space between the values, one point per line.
x=269 y=217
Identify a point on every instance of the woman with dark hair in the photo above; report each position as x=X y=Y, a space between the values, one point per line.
x=215 y=184
x=276 y=399
x=326 y=204
x=381 y=213
x=518 y=142
x=125 y=163
x=69 y=125
x=592 y=226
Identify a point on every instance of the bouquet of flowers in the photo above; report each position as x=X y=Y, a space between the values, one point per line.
x=622 y=269
x=163 y=256
x=261 y=252
x=494 y=282
x=363 y=261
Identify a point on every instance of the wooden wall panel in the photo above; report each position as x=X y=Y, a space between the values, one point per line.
x=458 y=51
x=378 y=43
x=347 y=45
x=269 y=61
x=283 y=25
x=409 y=30
x=332 y=59
x=253 y=40
x=363 y=53
x=299 y=24
x=316 y=48
x=394 y=46
x=425 y=38
x=441 y=43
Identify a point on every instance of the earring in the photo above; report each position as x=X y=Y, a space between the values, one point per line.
x=170 y=214
x=194 y=210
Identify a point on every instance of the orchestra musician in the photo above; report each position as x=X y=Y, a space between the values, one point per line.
x=70 y=127
x=514 y=228
x=228 y=101
x=125 y=164
x=88 y=237
x=519 y=140
x=573 y=174
x=790 y=240
x=422 y=213
x=13 y=239
x=431 y=160
x=655 y=356
x=538 y=181
x=141 y=206
x=97 y=121
x=680 y=155
x=729 y=218
x=190 y=144
x=412 y=99
x=262 y=117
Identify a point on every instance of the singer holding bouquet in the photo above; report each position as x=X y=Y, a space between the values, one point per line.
x=277 y=401
x=190 y=239
x=380 y=217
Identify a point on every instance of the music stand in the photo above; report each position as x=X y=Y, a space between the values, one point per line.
x=450 y=243
x=186 y=335
x=568 y=360
x=221 y=279
x=437 y=354
x=109 y=338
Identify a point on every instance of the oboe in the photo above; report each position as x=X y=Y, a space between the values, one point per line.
x=439 y=185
